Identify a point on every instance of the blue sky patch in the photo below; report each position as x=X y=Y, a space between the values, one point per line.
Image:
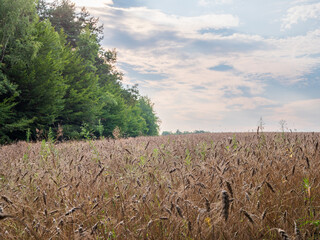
x=222 y=68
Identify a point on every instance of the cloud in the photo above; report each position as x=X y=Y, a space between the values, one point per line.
x=220 y=32
x=143 y=21
x=211 y=2
x=200 y=70
x=301 y=13
x=224 y=45
x=249 y=103
x=302 y=114
x=91 y=3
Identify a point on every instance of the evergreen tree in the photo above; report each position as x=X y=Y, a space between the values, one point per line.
x=40 y=81
x=17 y=22
x=8 y=117
x=62 y=15
x=81 y=100
x=54 y=72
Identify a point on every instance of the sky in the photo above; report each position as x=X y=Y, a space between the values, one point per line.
x=219 y=65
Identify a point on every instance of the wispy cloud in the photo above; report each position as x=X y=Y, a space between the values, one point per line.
x=211 y=2
x=197 y=75
x=249 y=103
x=91 y=3
x=299 y=114
x=143 y=21
x=301 y=13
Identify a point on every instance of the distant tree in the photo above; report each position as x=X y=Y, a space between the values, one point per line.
x=283 y=125
x=261 y=125
x=200 y=131
x=178 y=132
x=165 y=133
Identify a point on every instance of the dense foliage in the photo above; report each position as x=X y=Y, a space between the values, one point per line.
x=54 y=74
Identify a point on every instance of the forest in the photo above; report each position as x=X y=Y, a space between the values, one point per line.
x=57 y=81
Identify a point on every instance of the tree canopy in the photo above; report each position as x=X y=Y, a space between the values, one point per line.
x=54 y=74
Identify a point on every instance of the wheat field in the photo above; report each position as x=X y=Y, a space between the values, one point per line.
x=205 y=186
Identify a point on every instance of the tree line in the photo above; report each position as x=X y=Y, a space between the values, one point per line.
x=178 y=132
x=55 y=75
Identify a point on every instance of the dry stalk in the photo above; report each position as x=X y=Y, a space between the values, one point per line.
x=225 y=205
